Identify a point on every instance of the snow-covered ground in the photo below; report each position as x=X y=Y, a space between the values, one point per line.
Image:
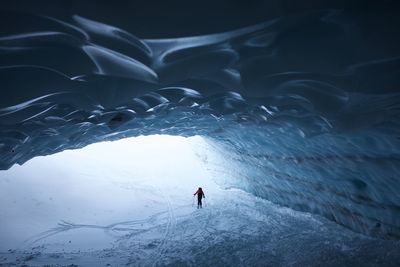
x=123 y=204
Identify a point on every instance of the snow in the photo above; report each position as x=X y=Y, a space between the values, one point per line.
x=130 y=202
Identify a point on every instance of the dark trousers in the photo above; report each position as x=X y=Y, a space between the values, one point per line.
x=199 y=204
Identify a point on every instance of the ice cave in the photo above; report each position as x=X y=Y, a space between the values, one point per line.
x=286 y=113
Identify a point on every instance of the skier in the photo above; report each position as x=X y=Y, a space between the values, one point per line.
x=200 y=195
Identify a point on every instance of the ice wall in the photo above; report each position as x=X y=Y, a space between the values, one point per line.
x=338 y=177
x=307 y=107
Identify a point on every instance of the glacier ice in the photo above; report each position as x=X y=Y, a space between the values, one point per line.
x=305 y=108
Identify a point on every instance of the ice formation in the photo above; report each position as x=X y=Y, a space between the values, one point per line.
x=305 y=108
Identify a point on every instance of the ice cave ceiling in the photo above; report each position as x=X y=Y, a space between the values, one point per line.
x=306 y=106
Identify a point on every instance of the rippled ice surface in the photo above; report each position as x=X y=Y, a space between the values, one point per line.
x=116 y=211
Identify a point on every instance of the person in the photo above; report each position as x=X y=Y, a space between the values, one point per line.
x=200 y=196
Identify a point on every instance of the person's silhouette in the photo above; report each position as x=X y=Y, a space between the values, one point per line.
x=200 y=196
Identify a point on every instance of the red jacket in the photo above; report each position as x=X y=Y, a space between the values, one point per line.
x=200 y=193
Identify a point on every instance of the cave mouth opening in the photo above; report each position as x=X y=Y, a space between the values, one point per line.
x=101 y=184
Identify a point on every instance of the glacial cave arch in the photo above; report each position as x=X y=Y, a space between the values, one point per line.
x=300 y=105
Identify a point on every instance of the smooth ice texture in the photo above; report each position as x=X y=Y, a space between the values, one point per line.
x=305 y=108
x=108 y=203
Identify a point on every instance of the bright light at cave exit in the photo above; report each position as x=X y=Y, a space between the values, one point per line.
x=102 y=183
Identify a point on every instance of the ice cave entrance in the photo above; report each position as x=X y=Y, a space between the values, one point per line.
x=102 y=184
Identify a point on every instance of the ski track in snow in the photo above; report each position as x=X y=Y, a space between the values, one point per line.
x=170 y=225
